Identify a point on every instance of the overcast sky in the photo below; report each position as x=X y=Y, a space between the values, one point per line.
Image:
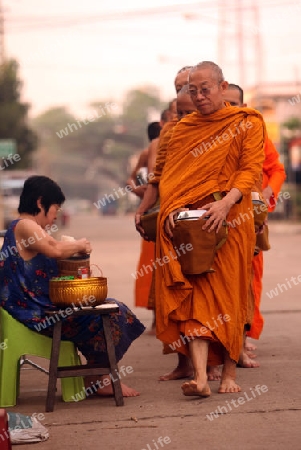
x=72 y=52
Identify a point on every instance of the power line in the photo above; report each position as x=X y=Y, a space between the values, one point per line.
x=54 y=22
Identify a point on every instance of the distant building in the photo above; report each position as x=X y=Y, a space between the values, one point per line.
x=278 y=102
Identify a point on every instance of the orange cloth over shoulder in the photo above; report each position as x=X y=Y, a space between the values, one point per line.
x=206 y=154
x=274 y=176
x=164 y=138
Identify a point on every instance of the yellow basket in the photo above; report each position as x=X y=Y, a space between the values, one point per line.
x=79 y=292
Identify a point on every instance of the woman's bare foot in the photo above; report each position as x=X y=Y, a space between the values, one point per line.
x=191 y=388
x=126 y=391
x=246 y=361
x=228 y=385
x=214 y=373
x=103 y=387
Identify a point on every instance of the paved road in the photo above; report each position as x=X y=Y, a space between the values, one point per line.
x=269 y=421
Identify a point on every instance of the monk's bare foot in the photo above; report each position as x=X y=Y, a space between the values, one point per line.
x=246 y=362
x=183 y=370
x=214 y=373
x=191 y=388
x=249 y=347
x=228 y=385
x=177 y=374
x=151 y=332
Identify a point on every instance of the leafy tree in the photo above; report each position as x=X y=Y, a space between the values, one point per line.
x=13 y=114
x=137 y=106
x=292 y=124
x=91 y=157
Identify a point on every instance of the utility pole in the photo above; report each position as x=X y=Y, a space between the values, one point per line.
x=2 y=39
x=240 y=42
x=239 y=38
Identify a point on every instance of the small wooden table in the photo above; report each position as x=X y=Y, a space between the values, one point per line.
x=56 y=372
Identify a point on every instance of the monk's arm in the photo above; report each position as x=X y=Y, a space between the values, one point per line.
x=251 y=157
x=142 y=162
x=152 y=155
x=273 y=170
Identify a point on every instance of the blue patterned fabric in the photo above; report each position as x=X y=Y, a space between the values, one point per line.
x=24 y=293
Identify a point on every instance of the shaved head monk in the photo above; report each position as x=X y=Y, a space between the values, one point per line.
x=273 y=178
x=217 y=149
x=182 y=78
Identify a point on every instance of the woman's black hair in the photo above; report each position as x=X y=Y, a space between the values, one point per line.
x=39 y=187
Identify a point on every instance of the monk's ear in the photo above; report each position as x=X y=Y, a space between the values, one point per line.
x=224 y=85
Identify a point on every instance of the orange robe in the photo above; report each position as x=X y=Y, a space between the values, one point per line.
x=144 y=297
x=230 y=155
x=274 y=176
x=144 y=281
x=164 y=138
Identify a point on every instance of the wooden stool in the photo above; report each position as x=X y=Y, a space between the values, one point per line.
x=56 y=372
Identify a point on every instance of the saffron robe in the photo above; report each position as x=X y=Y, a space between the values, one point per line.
x=144 y=273
x=274 y=176
x=206 y=154
x=164 y=138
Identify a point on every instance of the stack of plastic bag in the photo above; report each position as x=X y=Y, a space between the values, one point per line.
x=25 y=429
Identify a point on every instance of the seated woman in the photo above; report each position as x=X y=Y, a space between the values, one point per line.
x=28 y=260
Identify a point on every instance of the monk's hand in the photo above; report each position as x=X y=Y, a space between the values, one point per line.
x=170 y=221
x=217 y=213
x=140 y=190
x=138 y=225
x=261 y=228
x=267 y=193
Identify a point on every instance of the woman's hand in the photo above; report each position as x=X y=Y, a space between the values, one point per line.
x=84 y=246
x=170 y=221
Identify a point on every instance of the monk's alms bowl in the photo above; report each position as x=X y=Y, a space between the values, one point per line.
x=149 y=222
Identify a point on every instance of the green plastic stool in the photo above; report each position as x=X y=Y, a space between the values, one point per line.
x=17 y=340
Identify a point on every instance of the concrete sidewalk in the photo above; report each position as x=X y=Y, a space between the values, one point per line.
x=268 y=418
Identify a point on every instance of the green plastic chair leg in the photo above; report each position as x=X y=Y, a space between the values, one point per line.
x=18 y=340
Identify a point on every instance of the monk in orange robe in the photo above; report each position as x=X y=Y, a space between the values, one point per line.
x=147 y=253
x=216 y=149
x=156 y=161
x=272 y=180
x=157 y=155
